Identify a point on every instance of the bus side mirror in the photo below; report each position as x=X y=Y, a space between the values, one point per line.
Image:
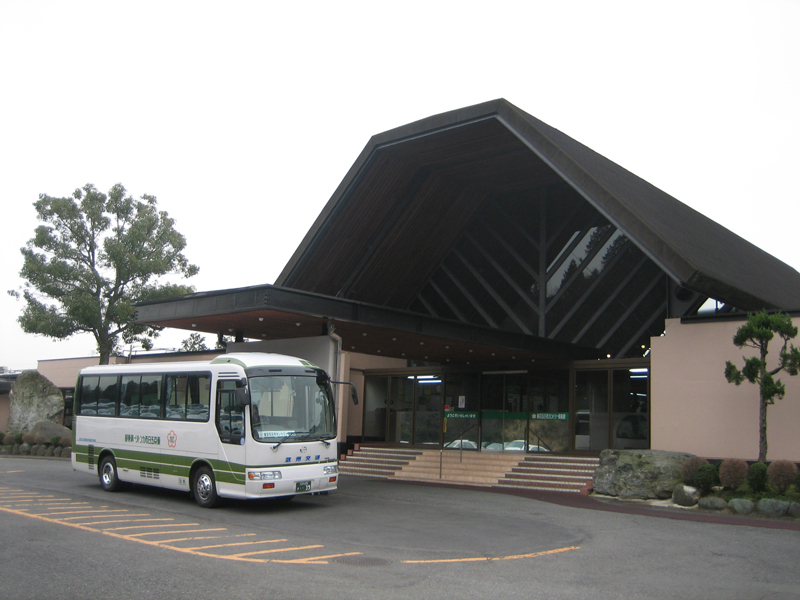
x=353 y=392
x=241 y=397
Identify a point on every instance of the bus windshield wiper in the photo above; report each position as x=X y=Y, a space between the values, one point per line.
x=289 y=435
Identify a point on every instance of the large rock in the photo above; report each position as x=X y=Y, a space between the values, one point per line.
x=49 y=429
x=685 y=495
x=642 y=474
x=741 y=506
x=712 y=503
x=33 y=398
x=771 y=508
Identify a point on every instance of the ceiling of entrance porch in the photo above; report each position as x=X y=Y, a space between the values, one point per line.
x=269 y=313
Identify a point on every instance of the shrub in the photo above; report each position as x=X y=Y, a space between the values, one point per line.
x=706 y=477
x=28 y=438
x=65 y=441
x=732 y=473
x=18 y=438
x=55 y=440
x=8 y=439
x=41 y=439
x=689 y=469
x=781 y=474
x=757 y=477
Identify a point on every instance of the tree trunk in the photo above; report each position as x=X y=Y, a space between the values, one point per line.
x=762 y=431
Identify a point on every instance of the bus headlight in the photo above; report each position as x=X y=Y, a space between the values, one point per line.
x=330 y=469
x=263 y=475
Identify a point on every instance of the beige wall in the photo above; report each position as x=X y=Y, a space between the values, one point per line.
x=693 y=407
x=5 y=412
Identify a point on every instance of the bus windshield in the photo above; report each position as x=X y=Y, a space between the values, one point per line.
x=296 y=407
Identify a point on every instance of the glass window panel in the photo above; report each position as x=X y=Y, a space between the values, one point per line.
x=150 y=397
x=591 y=403
x=88 y=400
x=130 y=400
x=108 y=392
x=630 y=416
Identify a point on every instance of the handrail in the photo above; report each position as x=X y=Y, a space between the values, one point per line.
x=461 y=446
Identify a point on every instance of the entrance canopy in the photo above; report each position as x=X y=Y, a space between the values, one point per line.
x=483 y=232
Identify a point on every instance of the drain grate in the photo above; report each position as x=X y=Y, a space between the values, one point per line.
x=362 y=561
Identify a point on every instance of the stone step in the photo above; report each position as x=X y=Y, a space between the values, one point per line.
x=485 y=469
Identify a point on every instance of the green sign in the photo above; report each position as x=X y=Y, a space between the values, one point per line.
x=460 y=415
x=550 y=416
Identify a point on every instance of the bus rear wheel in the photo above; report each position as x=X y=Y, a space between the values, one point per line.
x=204 y=488
x=108 y=474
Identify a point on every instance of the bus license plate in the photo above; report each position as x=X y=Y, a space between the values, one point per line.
x=303 y=486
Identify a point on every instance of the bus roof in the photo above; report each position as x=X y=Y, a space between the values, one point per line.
x=243 y=360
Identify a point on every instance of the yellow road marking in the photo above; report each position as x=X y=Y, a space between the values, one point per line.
x=117 y=520
x=316 y=560
x=196 y=551
x=236 y=544
x=205 y=537
x=149 y=526
x=134 y=535
x=494 y=558
x=276 y=550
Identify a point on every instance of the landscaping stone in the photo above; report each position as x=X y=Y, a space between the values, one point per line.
x=6 y=449
x=49 y=451
x=685 y=495
x=712 y=503
x=794 y=510
x=35 y=450
x=773 y=509
x=66 y=452
x=638 y=474
x=741 y=506
x=34 y=398
x=24 y=449
x=48 y=429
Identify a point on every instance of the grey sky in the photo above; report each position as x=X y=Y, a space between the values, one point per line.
x=242 y=118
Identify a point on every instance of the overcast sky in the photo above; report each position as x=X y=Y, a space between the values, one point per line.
x=243 y=117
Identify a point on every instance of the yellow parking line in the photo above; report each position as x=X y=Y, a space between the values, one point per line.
x=135 y=535
x=126 y=520
x=316 y=560
x=275 y=550
x=493 y=558
x=94 y=516
x=204 y=537
x=236 y=544
x=75 y=512
x=150 y=526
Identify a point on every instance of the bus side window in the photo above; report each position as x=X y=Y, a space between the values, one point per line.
x=230 y=417
x=199 y=397
x=177 y=389
x=130 y=400
x=88 y=396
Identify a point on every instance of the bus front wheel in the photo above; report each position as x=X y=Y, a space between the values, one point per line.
x=108 y=474
x=204 y=488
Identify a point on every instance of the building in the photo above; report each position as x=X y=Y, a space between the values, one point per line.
x=481 y=270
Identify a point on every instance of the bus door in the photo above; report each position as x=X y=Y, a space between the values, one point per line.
x=230 y=420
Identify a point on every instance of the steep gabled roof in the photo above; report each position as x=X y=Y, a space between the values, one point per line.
x=413 y=191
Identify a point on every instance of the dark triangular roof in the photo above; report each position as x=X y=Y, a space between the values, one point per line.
x=413 y=190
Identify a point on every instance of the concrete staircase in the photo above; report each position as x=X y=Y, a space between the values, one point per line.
x=486 y=469
x=552 y=473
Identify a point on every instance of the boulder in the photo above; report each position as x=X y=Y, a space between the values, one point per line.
x=712 y=503
x=771 y=508
x=50 y=429
x=741 y=506
x=24 y=449
x=640 y=474
x=33 y=398
x=794 y=510
x=685 y=495
x=66 y=452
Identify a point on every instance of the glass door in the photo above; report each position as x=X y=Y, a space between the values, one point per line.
x=504 y=408
x=415 y=410
x=591 y=410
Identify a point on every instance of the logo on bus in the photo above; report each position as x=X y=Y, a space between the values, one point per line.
x=172 y=438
